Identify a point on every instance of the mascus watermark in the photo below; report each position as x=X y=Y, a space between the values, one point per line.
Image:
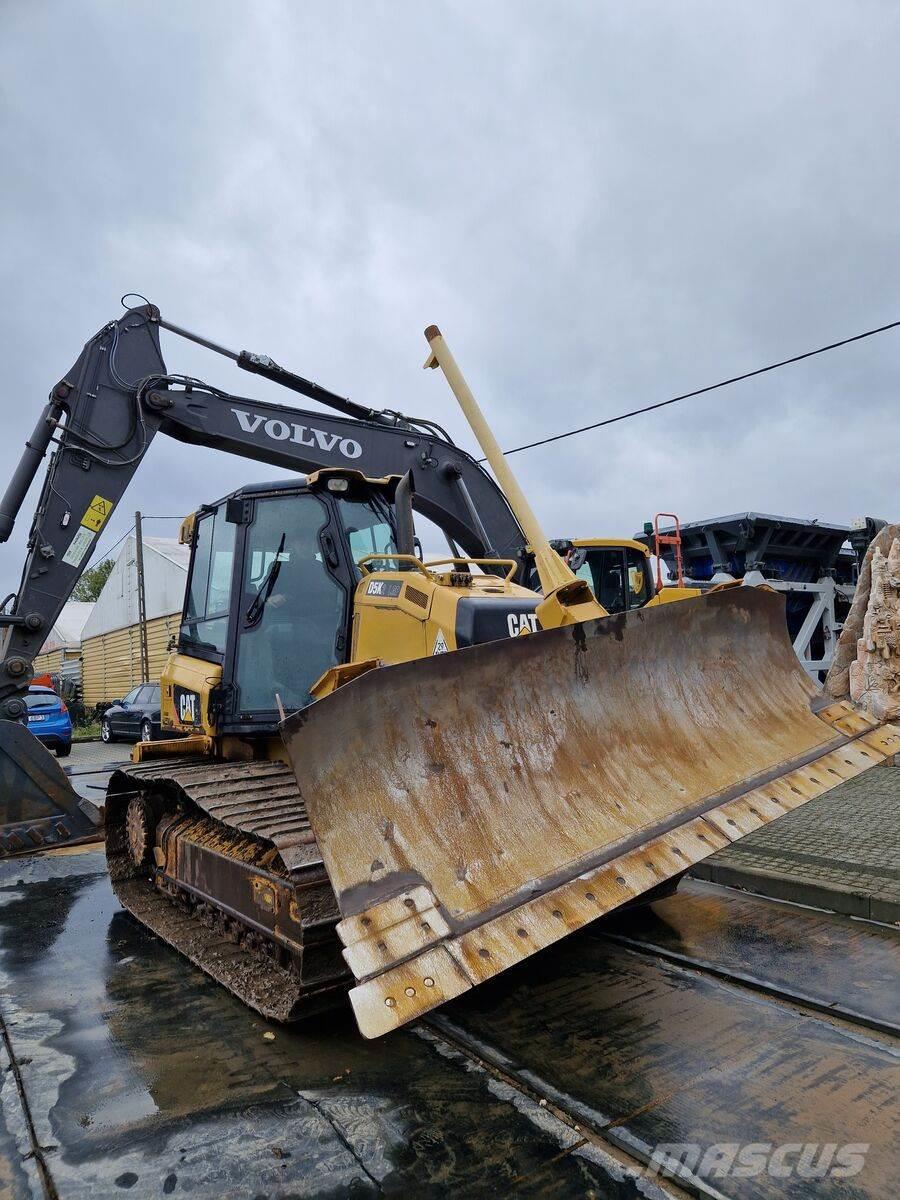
x=746 y=1160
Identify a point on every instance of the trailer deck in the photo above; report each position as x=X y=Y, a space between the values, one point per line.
x=713 y=1017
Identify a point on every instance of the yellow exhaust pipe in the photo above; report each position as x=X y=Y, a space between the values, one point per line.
x=567 y=598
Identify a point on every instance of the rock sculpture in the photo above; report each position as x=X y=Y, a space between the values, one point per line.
x=875 y=673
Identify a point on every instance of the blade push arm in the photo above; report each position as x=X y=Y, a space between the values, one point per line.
x=101 y=419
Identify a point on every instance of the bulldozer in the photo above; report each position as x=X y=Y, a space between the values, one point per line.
x=399 y=775
x=618 y=571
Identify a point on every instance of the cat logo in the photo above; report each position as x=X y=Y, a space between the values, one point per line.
x=519 y=623
x=188 y=706
x=440 y=643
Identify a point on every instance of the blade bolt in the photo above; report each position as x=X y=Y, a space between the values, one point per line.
x=390 y=1001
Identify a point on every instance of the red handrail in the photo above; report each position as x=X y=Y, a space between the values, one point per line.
x=668 y=539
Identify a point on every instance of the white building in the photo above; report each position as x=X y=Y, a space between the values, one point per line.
x=111 y=646
x=61 y=653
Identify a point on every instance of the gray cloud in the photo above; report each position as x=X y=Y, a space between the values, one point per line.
x=600 y=204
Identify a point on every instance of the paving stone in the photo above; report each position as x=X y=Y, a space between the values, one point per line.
x=841 y=851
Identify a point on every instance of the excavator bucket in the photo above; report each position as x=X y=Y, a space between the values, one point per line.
x=474 y=807
x=38 y=806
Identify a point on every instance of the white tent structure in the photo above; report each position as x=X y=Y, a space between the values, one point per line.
x=111 y=646
x=61 y=653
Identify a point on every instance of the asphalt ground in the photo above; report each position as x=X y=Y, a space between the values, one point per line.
x=89 y=765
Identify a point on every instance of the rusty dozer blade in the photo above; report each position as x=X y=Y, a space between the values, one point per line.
x=38 y=806
x=474 y=807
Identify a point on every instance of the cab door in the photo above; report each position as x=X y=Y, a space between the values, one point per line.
x=292 y=611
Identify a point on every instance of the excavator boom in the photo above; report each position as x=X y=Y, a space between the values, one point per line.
x=98 y=425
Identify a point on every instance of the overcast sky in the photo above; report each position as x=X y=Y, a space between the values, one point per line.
x=601 y=204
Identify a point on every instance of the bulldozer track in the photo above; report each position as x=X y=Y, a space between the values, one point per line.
x=240 y=890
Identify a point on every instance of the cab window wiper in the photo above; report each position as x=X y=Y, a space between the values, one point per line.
x=255 y=609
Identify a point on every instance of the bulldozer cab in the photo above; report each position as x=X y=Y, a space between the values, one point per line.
x=290 y=581
x=269 y=598
x=617 y=570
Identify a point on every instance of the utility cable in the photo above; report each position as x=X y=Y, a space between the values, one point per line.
x=95 y=561
x=636 y=412
x=100 y=558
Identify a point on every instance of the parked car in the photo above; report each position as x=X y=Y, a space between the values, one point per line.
x=49 y=720
x=134 y=718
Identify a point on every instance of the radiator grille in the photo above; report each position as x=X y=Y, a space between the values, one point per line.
x=415 y=596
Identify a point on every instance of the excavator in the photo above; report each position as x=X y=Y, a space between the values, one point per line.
x=380 y=773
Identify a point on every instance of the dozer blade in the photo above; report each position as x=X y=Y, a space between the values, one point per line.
x=475 y=807
x=38 y=806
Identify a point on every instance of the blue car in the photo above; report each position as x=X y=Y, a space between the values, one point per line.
x=49 y=720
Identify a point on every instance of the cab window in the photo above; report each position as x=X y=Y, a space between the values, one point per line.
x=638 y=578
x=369 y=527
x=206 y=605
x=604 y=571
x=292 y=608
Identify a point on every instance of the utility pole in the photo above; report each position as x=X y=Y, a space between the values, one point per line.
x=142 y=598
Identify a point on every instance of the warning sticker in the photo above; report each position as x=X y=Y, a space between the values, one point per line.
x=78 y=547
x=96 y=513
x=440 y=643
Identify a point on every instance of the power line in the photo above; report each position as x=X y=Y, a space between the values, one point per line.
x=636 y=412
x=96 y=561
x=99 y=559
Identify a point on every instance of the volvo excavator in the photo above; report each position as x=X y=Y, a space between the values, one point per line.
x=381 y=772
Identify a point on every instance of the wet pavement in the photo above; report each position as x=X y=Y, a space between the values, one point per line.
x=139 y=1072
x=90 y=765
x=767 y=945
x=132 y=1072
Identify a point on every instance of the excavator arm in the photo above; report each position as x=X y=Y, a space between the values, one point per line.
x=103 y=415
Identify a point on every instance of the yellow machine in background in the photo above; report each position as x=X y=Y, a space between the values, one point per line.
x=619 y=572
